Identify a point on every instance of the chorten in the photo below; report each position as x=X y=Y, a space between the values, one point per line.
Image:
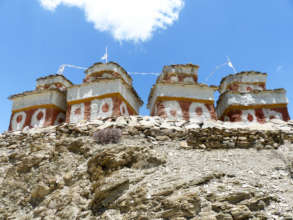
x=44 y=106
x=106 y=91
x=244 y=98
x=178 y=95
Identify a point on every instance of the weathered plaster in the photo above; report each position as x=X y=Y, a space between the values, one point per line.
x=77 y=113
x=183 y=73
x=45 y=97
x=199 y=111
x=99 y=108
x=242 y=78
x=36 y=117
x=18 y=121
x=105 y=87
x=109 y=67
x=186 y=110
x=124 y=109
x=268 y=97
x=245 y=87
x=260 y=115
x=182 y=91
x=53 y=82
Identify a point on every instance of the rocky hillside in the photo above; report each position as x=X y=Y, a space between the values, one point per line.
x=158 y=170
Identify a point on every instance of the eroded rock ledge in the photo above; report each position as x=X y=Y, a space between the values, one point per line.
x=159 y=170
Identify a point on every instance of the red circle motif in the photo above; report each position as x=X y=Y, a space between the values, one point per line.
x=40 y=115
x=249 y=89
x=105 y=107
x=198 y=111
x=250 y=117
x=77 y=111
x=19 y=118
x=173 y=112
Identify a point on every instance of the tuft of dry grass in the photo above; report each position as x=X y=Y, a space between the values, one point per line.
x=107 y=136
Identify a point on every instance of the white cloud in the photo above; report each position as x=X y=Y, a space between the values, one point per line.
x=134 y=20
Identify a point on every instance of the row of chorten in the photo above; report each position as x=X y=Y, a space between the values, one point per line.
x=107 y=91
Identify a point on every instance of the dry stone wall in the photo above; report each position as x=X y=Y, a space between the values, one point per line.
x=215 y=138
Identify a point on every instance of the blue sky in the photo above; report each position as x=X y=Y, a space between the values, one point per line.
x=35 y=39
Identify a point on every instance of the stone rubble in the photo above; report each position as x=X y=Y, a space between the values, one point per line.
x=161 y=169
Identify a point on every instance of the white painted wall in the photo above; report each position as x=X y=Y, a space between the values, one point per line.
x=106 y=101
x=123 y=106
x=268 y=113
x=245 y=114
x=41 y=98
x=180 y=90
x=16 y=126
x=102 y=88
x=35 y=123
x=205 y=112
x=250 y=77
x=97 y=111
x=74 y=118
x=171 y=106
x=250 y=99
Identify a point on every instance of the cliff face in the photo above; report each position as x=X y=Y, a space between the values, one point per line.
x=159 y=170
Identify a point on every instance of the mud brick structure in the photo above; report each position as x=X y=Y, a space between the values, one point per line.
x=105 y=92
x=244 y=98
x=178 y=95
x=42 y=107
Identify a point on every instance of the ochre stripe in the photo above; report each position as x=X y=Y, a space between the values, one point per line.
x=242 y=107
x=168 y=98
x=109 y=95
x=38 y=106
